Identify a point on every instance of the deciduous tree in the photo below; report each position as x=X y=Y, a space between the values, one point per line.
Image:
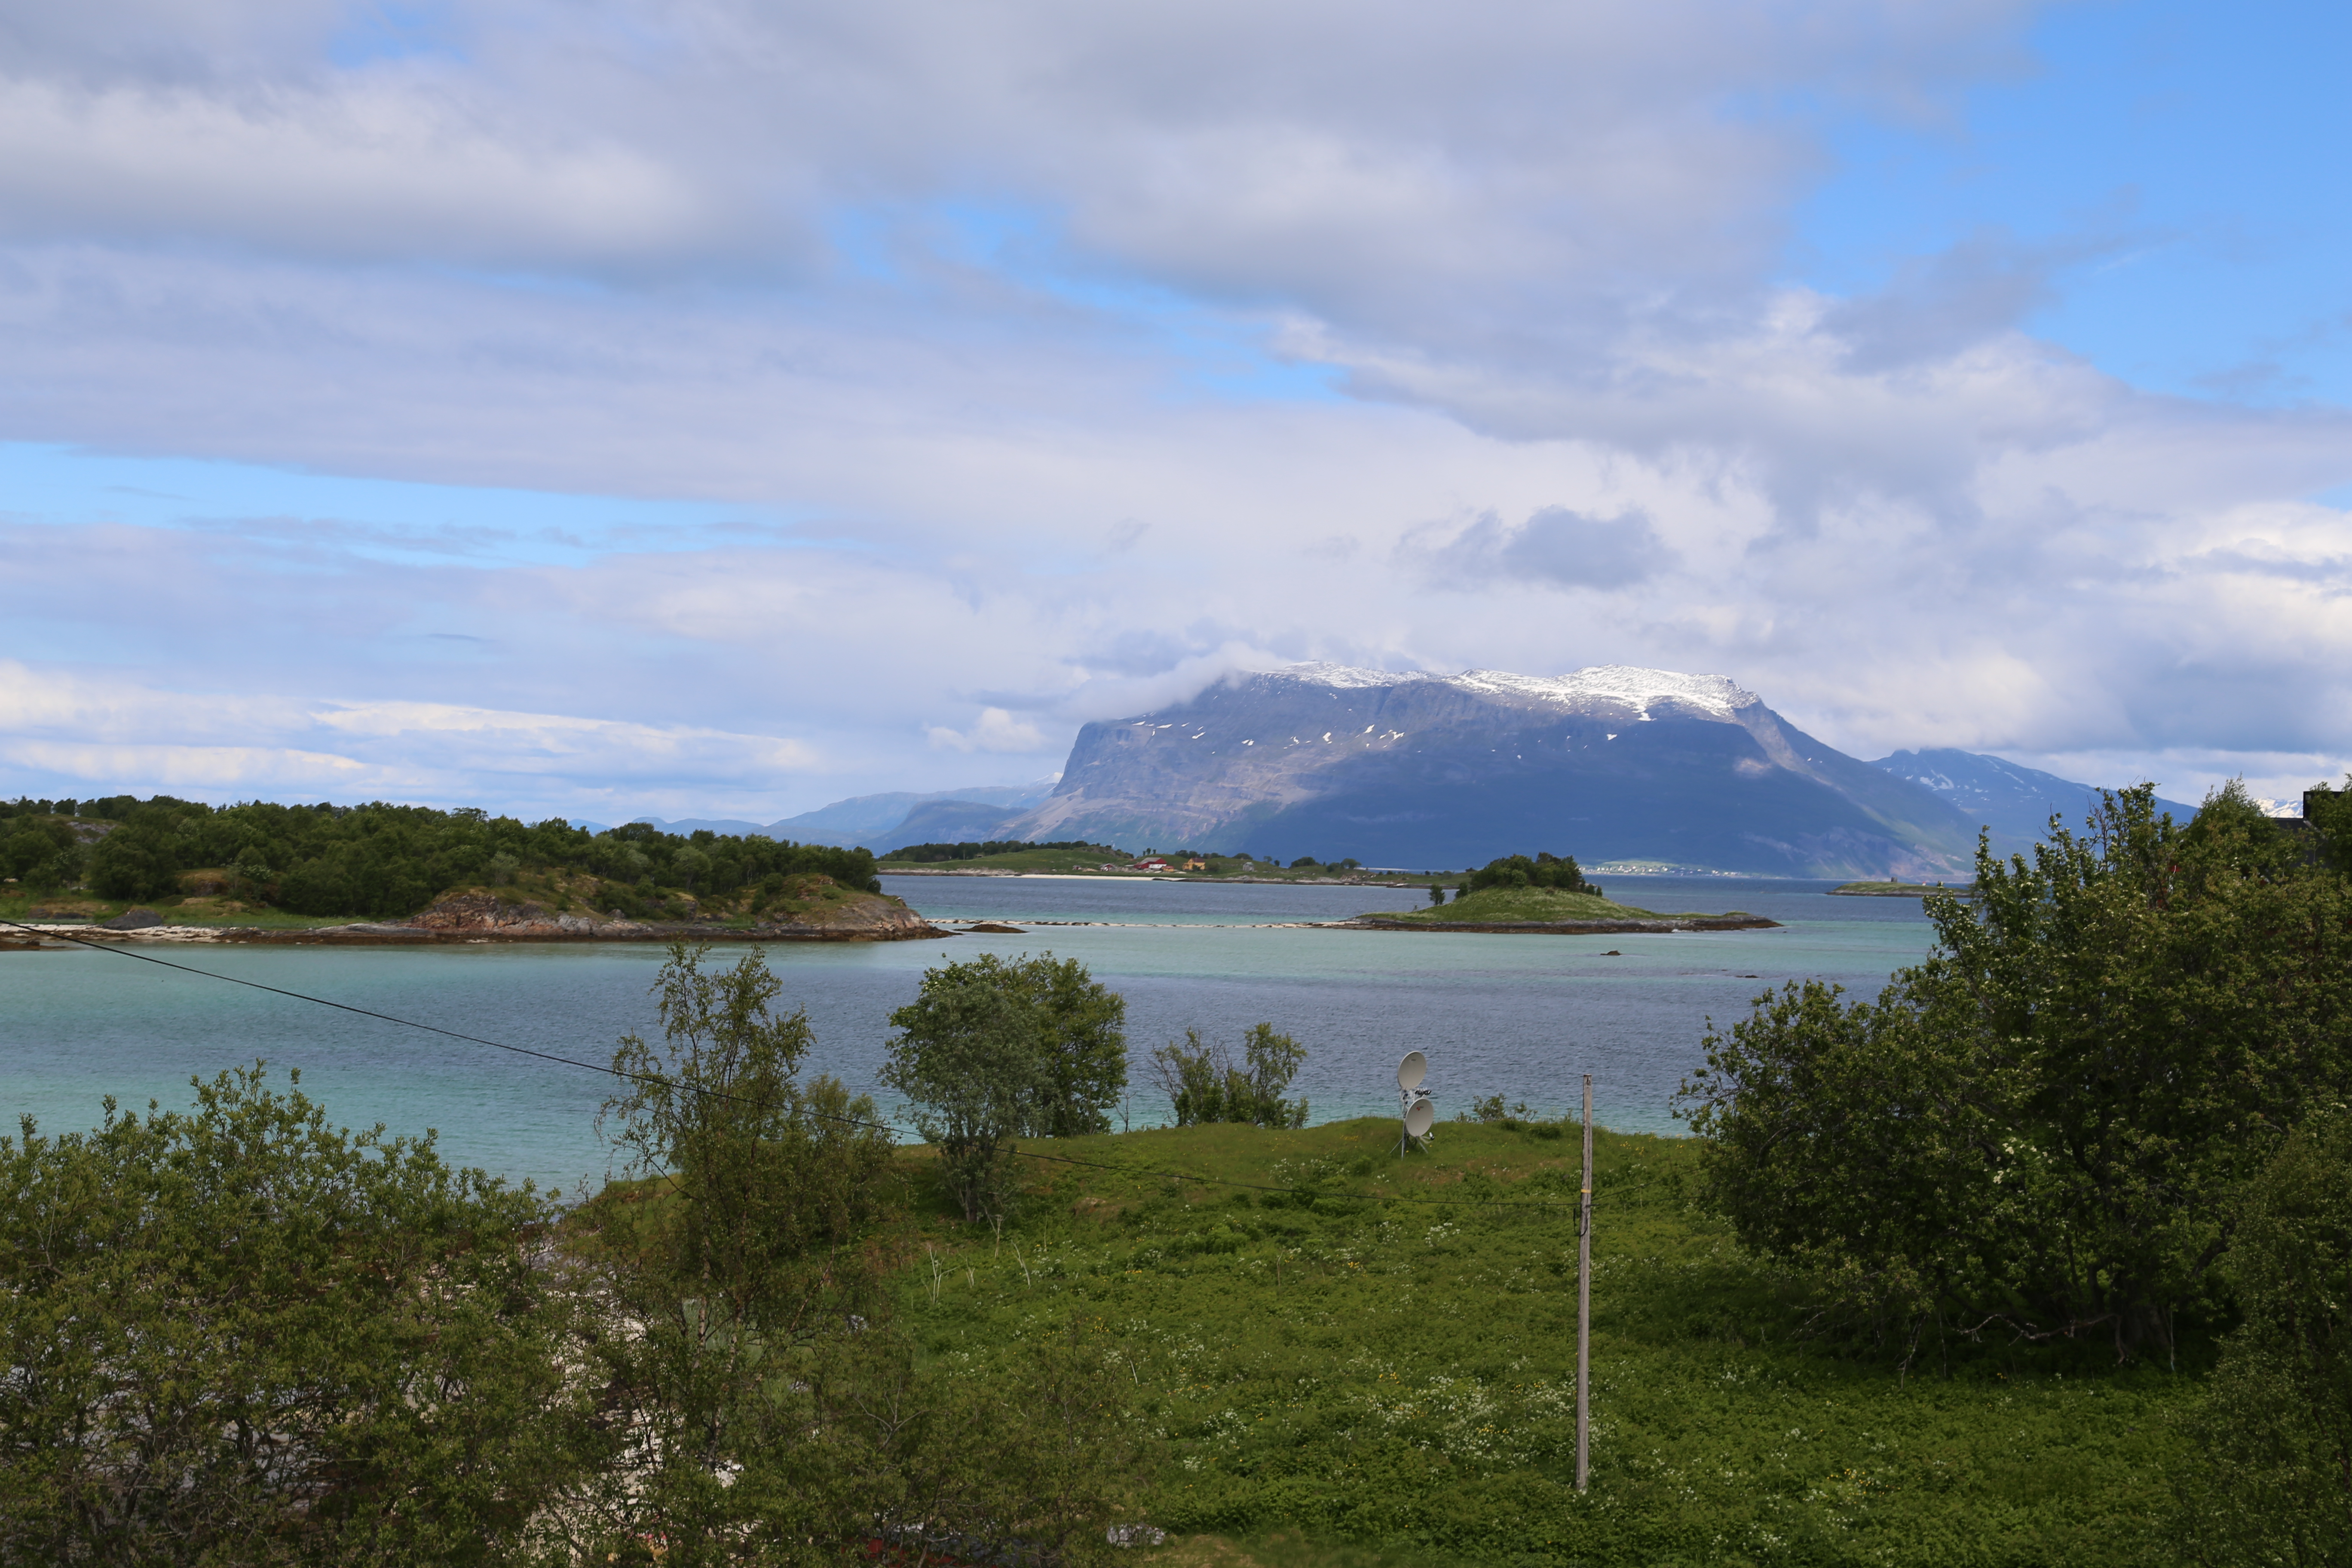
x=2041 y=1126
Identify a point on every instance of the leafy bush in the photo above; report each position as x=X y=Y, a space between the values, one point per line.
x=2040 y=1127
x=242 y=1334
x=746 y=1266
x=992 y=1050
x=2273 y=1479
x=1204 y=1085
x=1543 y=871
x=42 y=853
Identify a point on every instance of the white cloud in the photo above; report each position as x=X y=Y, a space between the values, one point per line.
x=101 y=730
x=370 y=172
x=995 y=731
x=962 y=296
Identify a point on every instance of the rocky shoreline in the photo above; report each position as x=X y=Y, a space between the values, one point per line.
x=476 y=918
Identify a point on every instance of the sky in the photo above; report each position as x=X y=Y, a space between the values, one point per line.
x=720 y=408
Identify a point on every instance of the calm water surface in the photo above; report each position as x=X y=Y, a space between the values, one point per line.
x=1519 y=1015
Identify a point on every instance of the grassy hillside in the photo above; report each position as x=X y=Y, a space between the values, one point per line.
x=1523 y=904
x=1347 y=1371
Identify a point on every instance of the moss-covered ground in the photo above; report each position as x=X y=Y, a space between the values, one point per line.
x=1363 y=1360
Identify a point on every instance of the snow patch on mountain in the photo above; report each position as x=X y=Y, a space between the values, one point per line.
x=1621 y=685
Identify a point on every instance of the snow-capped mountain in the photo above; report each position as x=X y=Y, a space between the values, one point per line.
x=1613 y=764
x=2008 y=798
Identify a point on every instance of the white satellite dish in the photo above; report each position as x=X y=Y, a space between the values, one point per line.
x=1411 y=1070
x=1420 y=1118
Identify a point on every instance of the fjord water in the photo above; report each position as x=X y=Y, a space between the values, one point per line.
x=1515 y=1015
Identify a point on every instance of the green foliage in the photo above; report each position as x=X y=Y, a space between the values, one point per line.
x=2040 y=1127
x=240 y=1334
x=746 y=1265
x=1543 y=871
x=2327 y=818
x=41 y=852
x=1436 y=894
x=1494 y=1109
x=383 y=860
x=766 y=1173
x=133 y=862
x=1032 y=1457
x=992 y=1050
x=1373 y=1358
x=2271 y=1479
x=1204 y=1084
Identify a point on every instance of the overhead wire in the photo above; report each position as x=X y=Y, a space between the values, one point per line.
x=675 y=1085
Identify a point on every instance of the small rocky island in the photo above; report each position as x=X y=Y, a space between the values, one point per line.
x=1545 y=895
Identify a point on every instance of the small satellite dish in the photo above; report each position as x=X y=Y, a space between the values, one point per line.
x=1411 y=1070
x=1420 y=1118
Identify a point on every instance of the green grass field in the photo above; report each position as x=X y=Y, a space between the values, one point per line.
x=1372 y=1364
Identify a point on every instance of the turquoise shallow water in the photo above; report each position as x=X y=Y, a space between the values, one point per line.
x=1519 y=1016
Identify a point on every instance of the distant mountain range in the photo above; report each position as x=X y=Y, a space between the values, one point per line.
x=2014 y=801
x=1616 y=765
x=1623 y=768
x=884 y=822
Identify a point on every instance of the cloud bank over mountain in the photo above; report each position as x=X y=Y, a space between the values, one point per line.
x=724 y=408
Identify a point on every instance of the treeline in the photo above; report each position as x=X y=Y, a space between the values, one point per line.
x=1542 y=869
x=2097 y=1110
x=922 y=854
x=377 y=860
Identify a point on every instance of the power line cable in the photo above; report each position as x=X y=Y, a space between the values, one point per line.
x=722 y=1094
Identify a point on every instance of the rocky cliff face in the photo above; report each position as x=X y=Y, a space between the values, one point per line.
x=1613 y=764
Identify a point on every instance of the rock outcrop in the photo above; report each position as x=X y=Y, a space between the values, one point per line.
x=487 y=914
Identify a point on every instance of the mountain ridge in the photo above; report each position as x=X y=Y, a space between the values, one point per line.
x=1615 y=763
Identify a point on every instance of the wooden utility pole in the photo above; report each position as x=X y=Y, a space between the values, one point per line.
x=1584 y=1307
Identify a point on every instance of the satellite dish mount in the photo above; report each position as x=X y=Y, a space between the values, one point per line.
x=1412 y=1101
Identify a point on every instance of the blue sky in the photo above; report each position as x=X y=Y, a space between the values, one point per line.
x=719 y=407
x=2170 y=171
